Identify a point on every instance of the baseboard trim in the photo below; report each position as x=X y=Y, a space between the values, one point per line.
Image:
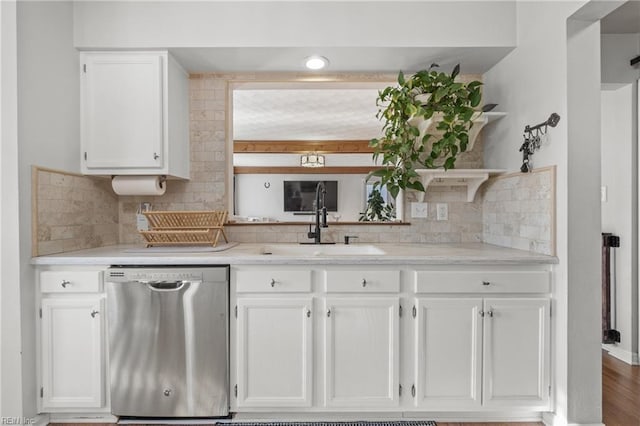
x=459 y=417
x=551 y=419
x=82 y=418
x=41 y=420
x=629 y=357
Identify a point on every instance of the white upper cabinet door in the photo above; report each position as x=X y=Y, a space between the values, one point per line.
x=274 y=352
x=516 y=353
x=361 y=352
x=449 y=353
x=122 y=110
x=72 y=353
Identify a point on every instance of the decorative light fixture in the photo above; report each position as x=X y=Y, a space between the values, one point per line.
x=316 y=62
x=312 y=160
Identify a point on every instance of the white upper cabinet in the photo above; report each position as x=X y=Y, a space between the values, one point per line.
x=134 y=114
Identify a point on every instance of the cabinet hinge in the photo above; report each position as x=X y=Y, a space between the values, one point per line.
x=40 y=312
x=414 y=311
x=413 y=391
x=549 y=390
x=400 y=311
x=41 y=392
x=235 y=390
x=85 y=156
x=84 y=68
x=399 y=390
x=236 y=315
x=550 y=309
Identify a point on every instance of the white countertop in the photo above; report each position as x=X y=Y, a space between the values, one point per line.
x=252 y=254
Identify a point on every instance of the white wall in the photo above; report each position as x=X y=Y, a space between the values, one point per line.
x=48 y=120
x=290 y=24
x=10 y=345
x=262 y=196
x=620 y=214
x=552 y=71
x=618 y=164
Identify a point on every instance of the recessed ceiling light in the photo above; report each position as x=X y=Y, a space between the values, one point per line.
x=316 y=62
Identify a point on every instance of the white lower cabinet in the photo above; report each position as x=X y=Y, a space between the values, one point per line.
x=72 y=373
x=361 y=352
x=274 y=352
x=344 y=338
x=448 y=353
x=474 y=353
x=516 y=353
x=72 y=333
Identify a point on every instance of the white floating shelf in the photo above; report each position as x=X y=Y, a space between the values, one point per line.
x=471 y=178
x=429 y=126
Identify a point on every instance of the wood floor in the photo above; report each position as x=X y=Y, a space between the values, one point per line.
x=620 y=392
x=620 y=397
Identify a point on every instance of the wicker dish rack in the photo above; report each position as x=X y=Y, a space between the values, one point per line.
x=185 y=227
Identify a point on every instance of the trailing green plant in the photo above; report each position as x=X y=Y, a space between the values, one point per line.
x=402 y=148
x=377 y=208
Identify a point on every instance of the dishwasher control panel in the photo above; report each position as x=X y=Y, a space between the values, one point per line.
x=168 y=274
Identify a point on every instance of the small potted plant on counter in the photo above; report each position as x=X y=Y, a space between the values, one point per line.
x=377 y=209
x=408 y=110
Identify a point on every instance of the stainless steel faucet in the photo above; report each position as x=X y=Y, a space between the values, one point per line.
x=316 y=234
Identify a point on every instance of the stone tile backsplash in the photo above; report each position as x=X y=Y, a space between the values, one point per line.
x=76 y=212
x=207 y=189
x=518 y=211
x=72 y=212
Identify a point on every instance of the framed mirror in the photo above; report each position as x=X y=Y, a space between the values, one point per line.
x=293 y=134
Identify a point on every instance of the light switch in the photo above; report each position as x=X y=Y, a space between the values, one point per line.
x=442 y=211
x=419 y=210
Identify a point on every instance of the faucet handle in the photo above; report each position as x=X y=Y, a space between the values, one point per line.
x=311 y=234
x=348 y=237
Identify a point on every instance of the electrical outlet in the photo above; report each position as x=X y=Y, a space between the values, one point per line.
x=419 y=210
x=442 y=211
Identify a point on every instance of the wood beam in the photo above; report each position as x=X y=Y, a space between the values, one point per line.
x=354 y=170
x=299 y=147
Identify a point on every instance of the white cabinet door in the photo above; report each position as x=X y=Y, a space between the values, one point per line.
x=274 y=352
x=72 y=352
x=122 y=112
x=361 y=352
x=516 y=353
x=449 y=353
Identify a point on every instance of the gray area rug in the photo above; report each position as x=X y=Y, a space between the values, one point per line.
x=352 y=423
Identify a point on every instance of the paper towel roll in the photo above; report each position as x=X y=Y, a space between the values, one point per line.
x=139 y=185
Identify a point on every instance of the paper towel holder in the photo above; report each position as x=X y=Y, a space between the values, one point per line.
x=121 y=185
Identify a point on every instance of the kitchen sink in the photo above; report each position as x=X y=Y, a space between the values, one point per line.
x=322 y=250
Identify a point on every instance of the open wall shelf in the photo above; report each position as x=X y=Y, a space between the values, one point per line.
x=471 y=178
x=429 y=126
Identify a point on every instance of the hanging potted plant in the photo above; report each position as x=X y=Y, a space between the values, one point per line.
x=407 y=111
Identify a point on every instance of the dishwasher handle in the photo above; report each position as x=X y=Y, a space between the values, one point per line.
x=164 y=286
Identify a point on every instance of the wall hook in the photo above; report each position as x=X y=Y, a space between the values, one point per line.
x=532 y=140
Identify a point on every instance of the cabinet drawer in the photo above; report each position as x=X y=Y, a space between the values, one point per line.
x=482 y=282
x=276 y=281
x=70 y=281
x=358 y=281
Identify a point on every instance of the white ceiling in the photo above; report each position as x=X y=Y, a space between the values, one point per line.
x=305 y=114
x=473 y=60
x=623 y=20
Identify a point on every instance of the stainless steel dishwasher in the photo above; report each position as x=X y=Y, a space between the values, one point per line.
x=168 y=341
